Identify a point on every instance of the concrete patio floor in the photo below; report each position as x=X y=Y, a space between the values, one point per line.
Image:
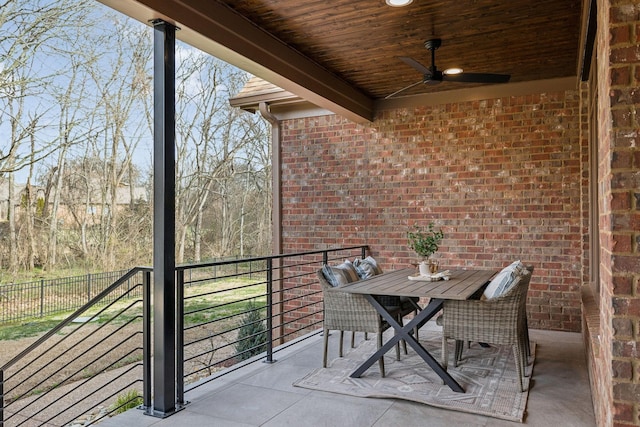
x=262 y=395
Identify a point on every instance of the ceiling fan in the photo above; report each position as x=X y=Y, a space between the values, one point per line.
x=431 y=75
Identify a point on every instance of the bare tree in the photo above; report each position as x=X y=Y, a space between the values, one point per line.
x=24 y=78
x=22 y=73
x=69 y=95
x=122 y=81
x=204 y=150
x=255 y=209
x=75 y=106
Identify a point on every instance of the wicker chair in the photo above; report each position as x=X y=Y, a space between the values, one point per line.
x=352 y=312
x=500 y=320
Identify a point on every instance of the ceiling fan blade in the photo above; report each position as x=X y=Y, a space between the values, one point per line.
x=476 y=78
x=403 y=89
x=415 y=64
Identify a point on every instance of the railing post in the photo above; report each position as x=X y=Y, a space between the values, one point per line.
x=146 y=338
x=180 y=337
x=41 y=297
x=88 y=287
x=364 y=252
x=164 y=221
x=269 y=311
x=1 y=398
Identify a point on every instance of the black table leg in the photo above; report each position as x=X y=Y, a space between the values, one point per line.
x=405 y=333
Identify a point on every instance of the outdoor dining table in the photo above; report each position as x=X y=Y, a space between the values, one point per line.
x=461 y=284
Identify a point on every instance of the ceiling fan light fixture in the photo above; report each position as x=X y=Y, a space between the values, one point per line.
x=398 y=3
x=452 y=71
x=431 y=75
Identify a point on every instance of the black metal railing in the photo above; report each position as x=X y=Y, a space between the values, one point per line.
x=28 y=300
x=98 y=353
x=45 y=297
x=277 y=299
x=229 y=314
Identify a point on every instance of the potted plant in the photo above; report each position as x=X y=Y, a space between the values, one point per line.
x=425 y=241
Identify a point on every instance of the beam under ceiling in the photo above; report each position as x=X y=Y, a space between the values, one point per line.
x=218 y=30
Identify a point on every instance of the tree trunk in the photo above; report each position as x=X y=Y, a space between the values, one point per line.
x=55 y=205
x=197 y=239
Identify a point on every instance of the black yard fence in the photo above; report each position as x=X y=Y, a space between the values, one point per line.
x=32 y=300
x=20 y=301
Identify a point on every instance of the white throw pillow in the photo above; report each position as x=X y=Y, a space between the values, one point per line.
x=504 y=279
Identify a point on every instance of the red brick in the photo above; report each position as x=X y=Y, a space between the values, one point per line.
x=506 y=194
x=622 y=327
x=620 y=34
x=620 y=201
x=623 y=412
x=620 y=76
x=622 y=285
x=623 y=12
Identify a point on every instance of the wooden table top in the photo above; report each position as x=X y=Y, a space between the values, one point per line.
x=461 y=284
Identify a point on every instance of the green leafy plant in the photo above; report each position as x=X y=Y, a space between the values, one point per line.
x=127 y=400
x=425 y=241
x=252 y=335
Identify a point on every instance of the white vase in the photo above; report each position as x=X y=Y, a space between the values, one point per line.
x=424 y=268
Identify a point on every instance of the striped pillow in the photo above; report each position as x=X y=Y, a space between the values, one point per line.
x=367 y=267
x=340 y=274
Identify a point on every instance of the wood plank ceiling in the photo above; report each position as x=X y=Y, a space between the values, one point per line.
x=360 y=40
x=344 y=54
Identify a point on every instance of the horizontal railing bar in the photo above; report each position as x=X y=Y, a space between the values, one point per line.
x=225 y=305
x=68 y=336
x=220 y=291
x=294 y=313
x=234 y=368
x=289 y=334
x=303 y=306
x=75 y=314
x=94 y=392
x=217 y=334
x=295 y=298
x=69 y=377
x=223 y=333
x=298 y=319
x=264 y=258
x=208 y=278
x=80 y=384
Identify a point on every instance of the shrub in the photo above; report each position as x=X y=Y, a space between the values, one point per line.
x=125 y=401
x=252 y=335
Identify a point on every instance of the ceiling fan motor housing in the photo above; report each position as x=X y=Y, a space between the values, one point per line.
x=433 y=44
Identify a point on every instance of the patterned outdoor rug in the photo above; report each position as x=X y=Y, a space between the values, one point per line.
x=488 y=376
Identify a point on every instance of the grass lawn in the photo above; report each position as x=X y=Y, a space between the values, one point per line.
x=204 y=302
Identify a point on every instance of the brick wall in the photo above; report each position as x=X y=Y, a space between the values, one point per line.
x=501 y=177
x=618 y=398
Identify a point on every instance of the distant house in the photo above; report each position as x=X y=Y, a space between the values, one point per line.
x=124 y=196
x=19 y=191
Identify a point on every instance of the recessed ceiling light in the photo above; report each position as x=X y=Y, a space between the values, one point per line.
x=453 y=71
x=398 y=3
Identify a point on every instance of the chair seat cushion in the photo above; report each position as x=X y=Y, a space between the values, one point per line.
x=504 y=280
x=389 y=301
